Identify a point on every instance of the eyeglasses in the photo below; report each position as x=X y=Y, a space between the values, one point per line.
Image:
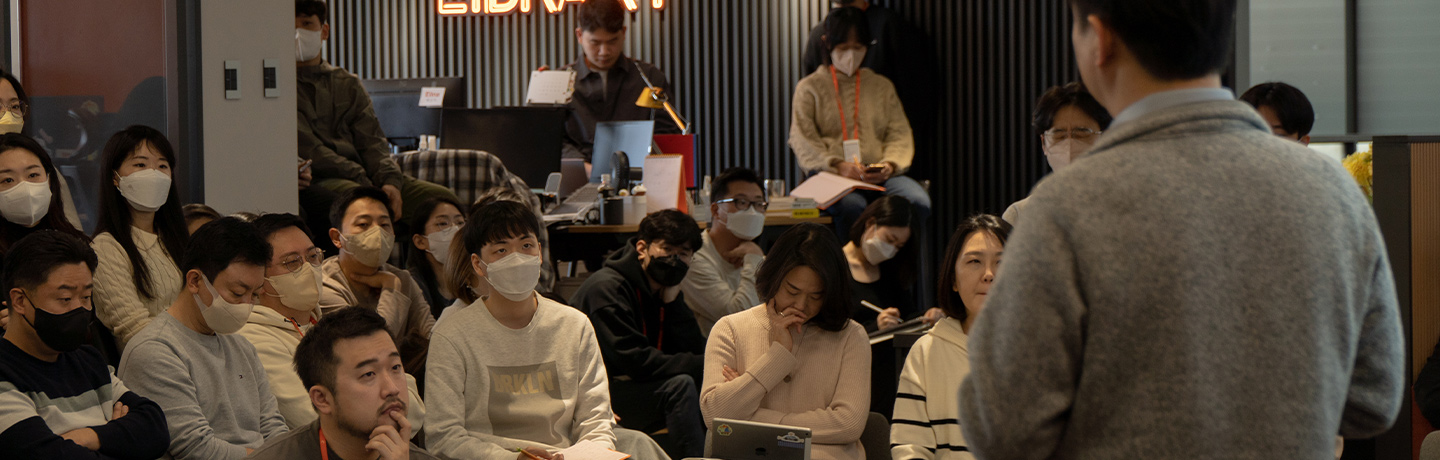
x=1080 y=134
x=742 y=204
x=18 y=108
x=313 y=257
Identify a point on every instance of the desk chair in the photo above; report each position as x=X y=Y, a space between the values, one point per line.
x=876 y=437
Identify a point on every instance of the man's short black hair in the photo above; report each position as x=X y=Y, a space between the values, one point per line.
x=498 y=221
x=720 y=187
x=1172 y=39
x=32 y=259
x=268 y=224
x=222 y=242
x=1069 y=94
x=337 y=210
x=840 y=23
x=315 y=356
x=814 y=246
x=673 y=227
x=1291 y=106
x=315 y=8
x=607 y=15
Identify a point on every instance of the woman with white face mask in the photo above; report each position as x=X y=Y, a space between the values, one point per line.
x=29 y=194
x=1068 y=120
x=141 y=234
x=437 y=223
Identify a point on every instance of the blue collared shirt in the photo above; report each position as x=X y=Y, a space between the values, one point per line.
x=1167 y=99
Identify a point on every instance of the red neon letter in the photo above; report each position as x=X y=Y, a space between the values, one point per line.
x=448 y=7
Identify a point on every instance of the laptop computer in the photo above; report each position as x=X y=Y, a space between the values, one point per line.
x=632 y=137
x=744 y=440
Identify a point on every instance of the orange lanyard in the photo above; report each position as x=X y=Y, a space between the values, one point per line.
x=324 y=448
x=836 y=81
x=297 y=326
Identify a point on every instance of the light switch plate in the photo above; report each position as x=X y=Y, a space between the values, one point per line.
x=232 y=80
x=268 y=75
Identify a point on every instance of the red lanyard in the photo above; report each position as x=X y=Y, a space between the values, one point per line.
x=297 y=326
x=324 y=448
x=836 y=81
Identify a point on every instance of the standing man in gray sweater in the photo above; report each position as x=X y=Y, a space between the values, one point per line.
x=1196 y=288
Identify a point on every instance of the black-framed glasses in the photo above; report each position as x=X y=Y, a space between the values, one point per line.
x=18 y=108
x=742 y=204
x=313 y=257
x=1080 y=134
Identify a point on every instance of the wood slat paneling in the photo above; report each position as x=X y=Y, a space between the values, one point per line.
x=1424 y=251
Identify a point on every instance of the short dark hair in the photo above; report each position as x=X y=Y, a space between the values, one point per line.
x=316 y=8
x=11 y=232
x=115 y=217
x=892 y=211
x=268 y=224
x=337 y=210
x=497 y=221
x=673 y=227
x=315 y=356
x=199 y=211
x=814 y=246
x=1291 y=106
x=1067 y=95
x=948 y=300
x=607 y=15
x=1171 y=39
x=840 y=23
x=225 y=241
x=720 y=187
x=34 y=257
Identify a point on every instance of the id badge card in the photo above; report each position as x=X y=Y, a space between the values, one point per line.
x=852 y=150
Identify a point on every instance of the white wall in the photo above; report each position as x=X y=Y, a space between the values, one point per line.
x=249 y=144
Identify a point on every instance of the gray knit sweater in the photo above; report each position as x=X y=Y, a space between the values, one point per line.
x=1195 y=288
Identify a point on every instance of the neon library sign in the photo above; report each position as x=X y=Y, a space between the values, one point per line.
x=497 y=7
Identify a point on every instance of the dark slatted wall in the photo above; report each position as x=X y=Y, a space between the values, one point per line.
x=735 y=63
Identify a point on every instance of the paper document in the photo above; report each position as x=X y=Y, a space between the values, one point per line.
x=551 y=87
x=827 y=188
x=432 y=96
x=662 y=183
x=591 y=450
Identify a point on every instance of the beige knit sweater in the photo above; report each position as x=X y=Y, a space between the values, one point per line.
x=815 y=121
x=824 y=385
x=117 y=303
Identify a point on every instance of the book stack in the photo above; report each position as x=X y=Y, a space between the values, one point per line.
x=794 y=207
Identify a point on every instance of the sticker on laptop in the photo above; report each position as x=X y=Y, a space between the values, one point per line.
x=723 y=430
x=790 y=440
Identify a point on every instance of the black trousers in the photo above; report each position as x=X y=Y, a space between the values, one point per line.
x=672 y=403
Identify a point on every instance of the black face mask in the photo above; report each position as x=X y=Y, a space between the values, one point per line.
x=668 y=271
x=64 y=332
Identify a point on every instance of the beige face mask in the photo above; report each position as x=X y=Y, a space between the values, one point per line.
x=9 y=123
x=371 y=247
x=298 y=290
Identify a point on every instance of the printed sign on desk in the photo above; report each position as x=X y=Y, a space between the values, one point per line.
x=432 y=96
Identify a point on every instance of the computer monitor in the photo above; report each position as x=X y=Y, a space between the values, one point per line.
x=632 y=137
x=527 y=139
x=397 y=105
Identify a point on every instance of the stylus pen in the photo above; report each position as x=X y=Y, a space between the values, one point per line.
x=872 y=306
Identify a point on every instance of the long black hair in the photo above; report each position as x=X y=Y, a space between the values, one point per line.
x=115 y=217
x=947 y=299
x=54 y=219
x=891 y=211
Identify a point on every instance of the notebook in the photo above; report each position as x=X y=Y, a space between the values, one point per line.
x=551 y=87
x=827 y=188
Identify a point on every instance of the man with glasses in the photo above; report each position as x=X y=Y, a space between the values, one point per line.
x=722 y=276
x=1068 y=120
x=651 y=344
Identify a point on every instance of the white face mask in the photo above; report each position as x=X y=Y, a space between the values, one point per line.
x=877 y=251
x=514 y=276
x=298 y=290
x=146 y=190
x=747 y=224
x=221 y=315
x=307 y=44
x=440 y=244
x=847 y=61
x=1064 y=152
x=26 y=203
x=371 y=247
x=9 y=123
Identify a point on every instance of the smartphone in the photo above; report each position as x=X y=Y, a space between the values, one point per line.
x=305 y=164
x=875 y=168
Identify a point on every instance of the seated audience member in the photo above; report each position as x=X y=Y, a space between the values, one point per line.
x=485 y=352
x=338 y=128
x=354 y=377
x=607 y=82
x=653 y=349
x=208 y=379
x=1285 y=108
x=435 y=222
x=197 y=215
x=722 y=273
x=58 y=398
x=14 y=118
x=925 y=425
x=141 y=236
x=1067 y=120
x=461 y=280
x=753 y=363
x=874 y=143
x=30 y=199
x=359 y=276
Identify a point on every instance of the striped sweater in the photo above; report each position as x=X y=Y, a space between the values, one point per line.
x=926 y=410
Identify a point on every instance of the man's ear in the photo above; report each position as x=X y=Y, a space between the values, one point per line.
x=640 y=247
x=1305 y=140
x=1106 y=42
x=15 y=295
x=477 y=266
x=335 y=237
x=323 y=400
x=325 y=32
x=194 y=281
x=579 y=35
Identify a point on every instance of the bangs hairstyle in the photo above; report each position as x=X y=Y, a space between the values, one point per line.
x=1059 y=97
x=459 y=272
x=814 y=246
x=672 y=227
x=947 y=299
x=891 y=211
x=315 y=356
x=607 y=15
x=499 y=221
x=36 y=256
x=54 y=218
x=1291 y=106
x=316 y=8
x=1171 y=39
x=115 y=217
x=841 y=24
x=222 y=243
x=19 y=94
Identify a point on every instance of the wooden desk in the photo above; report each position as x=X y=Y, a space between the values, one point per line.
x=769 y=222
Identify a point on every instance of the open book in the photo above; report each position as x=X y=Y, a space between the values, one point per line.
x=591 y=450
x=827 y=188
